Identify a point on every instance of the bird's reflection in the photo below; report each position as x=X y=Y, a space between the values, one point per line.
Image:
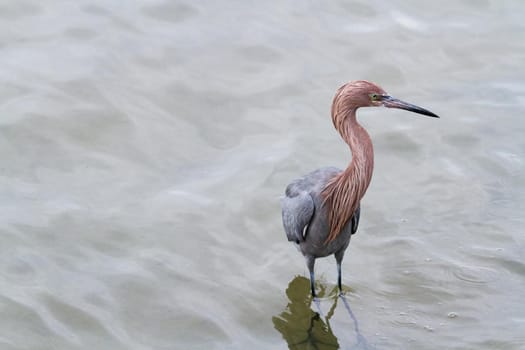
x=305 y=328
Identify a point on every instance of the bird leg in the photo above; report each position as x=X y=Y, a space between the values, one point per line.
x=339 y=278
x=310 y=262
x=339 y=258
x=312 y=284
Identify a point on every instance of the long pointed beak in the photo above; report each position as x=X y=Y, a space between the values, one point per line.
x=390 y=102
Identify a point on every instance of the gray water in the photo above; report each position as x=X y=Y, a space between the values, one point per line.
x=144 y=148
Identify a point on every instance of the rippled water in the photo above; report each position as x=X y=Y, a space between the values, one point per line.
x=145 y=147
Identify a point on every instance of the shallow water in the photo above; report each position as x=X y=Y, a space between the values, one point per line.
x=145 y=147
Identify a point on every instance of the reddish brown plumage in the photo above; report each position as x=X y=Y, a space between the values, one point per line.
x=343 y=193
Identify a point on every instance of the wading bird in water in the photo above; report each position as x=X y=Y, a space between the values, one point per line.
x=321 y=210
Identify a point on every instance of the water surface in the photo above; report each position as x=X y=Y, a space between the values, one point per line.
x=145 y=147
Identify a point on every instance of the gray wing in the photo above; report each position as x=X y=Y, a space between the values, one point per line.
x=297 y=213
x=300 y=199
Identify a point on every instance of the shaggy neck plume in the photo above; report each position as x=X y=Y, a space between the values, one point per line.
x=343 y=193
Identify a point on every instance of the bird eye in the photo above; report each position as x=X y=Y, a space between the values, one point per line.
x=374 y=97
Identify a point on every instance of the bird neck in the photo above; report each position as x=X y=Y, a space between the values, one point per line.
x=343 y=193
x=360 y=169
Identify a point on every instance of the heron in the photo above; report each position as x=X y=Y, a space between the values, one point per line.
x=321 y=210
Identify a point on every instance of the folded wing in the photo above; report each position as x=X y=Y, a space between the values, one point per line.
x=297 y=213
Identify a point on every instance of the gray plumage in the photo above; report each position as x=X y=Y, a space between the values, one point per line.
x=321 y=210
x=305 y=220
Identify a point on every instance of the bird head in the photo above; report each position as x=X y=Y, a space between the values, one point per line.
x=362 y=93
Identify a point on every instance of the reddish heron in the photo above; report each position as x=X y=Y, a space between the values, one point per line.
x=321 y=210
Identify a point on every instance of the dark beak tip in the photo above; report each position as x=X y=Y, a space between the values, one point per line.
x=391 y=102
